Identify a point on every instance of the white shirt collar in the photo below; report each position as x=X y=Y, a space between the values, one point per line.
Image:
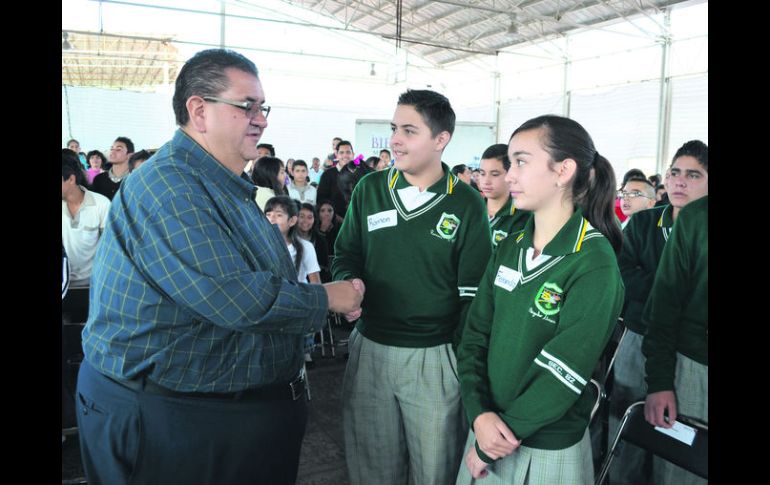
x=412 y=198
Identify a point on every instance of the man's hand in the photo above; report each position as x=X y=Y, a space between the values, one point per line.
x=345 y=296
x=495 y=438
x=358 y=284
x=654 y=406
x=475 y=464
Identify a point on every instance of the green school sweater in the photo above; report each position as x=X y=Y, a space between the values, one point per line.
x=677 y=311
x=507 y=221
x=421 y=267
x=644 y=237
x=535 y=331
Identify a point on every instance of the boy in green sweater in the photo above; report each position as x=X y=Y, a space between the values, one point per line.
x=504 y=218
x=545 y=309
x=644 y=238
x=676 y=342
x=419 y=239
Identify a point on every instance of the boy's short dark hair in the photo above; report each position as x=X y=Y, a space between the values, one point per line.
x=500 y=152
x=344 y=142
x=126 y=141
x=140 y=156
x=433 y=107
x=696 y=149
x=269 y=147
x=70 y=165
x=460 y=168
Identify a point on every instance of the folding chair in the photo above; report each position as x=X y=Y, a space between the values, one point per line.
x=600 y=396
x=307 y=381
x=330 y=317
x=603 y=369
x=637 y=431
x=603 y=375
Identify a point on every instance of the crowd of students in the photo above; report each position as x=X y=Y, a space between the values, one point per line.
x=484 y=311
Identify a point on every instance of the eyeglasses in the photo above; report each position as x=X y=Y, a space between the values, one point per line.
x=252 y=109
x=621 y=194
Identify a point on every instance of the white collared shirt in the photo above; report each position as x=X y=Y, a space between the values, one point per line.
x=412 y=198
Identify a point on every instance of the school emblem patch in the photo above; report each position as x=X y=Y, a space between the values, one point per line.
x=498 y=236
x=447 y=225
x=548 y=300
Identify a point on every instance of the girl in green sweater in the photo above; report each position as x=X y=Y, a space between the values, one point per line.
x=544 y=311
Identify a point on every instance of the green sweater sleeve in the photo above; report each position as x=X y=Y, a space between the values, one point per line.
x=560 y=372
x=472 y=352
x=678 y=296
x=659 y=344
x=348 y=259
x=636 y=279
x=474 y=251
x=473 y=348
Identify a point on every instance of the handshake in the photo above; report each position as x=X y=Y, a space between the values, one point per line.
x=345 y=297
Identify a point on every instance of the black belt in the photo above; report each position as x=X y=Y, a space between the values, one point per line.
x=274 y=392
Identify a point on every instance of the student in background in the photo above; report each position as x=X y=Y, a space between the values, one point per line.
x=97 y=164
x=300 y=188
x=268 y=175
x=307 y=229
x=644 y=239
x=504 y=218
x=283 y=211
x=637 y=194
x=676 y=342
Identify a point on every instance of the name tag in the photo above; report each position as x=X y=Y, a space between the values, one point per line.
x=507 y=278
x=382 y=219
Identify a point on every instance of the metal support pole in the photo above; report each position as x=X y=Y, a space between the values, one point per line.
x=664 y=107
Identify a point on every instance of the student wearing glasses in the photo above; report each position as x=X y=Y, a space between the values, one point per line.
x=645 y=236
x=637 y=194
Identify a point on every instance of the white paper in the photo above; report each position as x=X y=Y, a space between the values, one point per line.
x=679 y=431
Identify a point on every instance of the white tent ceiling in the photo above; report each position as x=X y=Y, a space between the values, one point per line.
x=447 y=31
x=101 y=52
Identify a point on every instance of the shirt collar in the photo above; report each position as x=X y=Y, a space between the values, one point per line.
x=568 y=240
x=88 y=197
x=213 y=171
x=508 y=209
x=445 y=185
x=666 y=218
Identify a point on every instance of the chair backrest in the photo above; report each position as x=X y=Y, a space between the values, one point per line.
x=599 y=396
x=604 y=366
x=617 y=339
x=693 y=458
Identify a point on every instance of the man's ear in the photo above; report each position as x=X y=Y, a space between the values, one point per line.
x=196 y=110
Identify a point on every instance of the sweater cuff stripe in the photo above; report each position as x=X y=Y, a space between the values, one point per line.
x=558 y=376
x=564 y=366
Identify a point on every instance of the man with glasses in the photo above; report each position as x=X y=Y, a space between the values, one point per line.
x=194 y=343
x=636 y=195
x=643 y=241
x=107 y=183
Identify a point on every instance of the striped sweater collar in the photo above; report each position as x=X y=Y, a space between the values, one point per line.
x=446 y=184
x=569 y=239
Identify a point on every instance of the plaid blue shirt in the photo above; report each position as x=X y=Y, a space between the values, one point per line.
x=191 y=283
